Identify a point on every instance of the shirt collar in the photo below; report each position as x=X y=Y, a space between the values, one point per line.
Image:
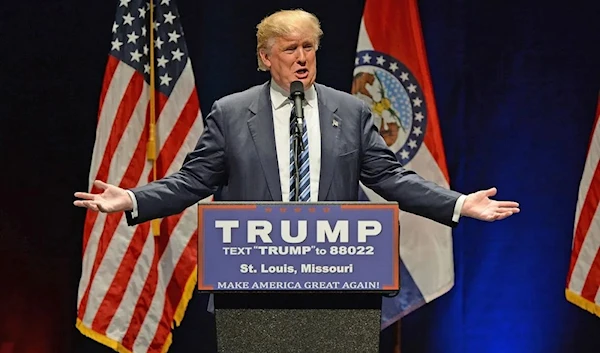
x=279 y=97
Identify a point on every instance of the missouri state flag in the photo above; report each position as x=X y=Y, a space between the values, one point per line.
x=392 y=76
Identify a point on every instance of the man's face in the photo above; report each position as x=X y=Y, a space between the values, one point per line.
x=292 y=58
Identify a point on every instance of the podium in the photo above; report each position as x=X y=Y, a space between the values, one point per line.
x=298 y=277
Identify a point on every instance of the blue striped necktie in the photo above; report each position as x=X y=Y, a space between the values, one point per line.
x=303 y=163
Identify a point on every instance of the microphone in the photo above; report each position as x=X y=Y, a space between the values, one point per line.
x=297 y=95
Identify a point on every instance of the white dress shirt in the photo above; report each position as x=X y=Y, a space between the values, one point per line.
x=282 y=109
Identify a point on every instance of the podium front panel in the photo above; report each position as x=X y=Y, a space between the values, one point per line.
x=295 y=247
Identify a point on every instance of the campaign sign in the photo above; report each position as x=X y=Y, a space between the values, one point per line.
x=298 y=247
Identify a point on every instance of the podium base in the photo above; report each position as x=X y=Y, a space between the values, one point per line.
x=298 y=322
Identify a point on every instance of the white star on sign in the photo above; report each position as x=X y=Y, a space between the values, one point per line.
x=169 y=17
x=165 y=79
x=128 y=19
x=173 y=36
x=177 y=54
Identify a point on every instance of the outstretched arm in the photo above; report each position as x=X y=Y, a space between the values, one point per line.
x=202 y=172
x=381 y=171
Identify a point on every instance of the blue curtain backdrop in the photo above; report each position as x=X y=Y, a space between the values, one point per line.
x=516 y=84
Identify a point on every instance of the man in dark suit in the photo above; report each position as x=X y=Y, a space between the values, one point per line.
x=244 y=152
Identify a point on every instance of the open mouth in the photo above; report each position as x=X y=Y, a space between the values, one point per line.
x=302 y=73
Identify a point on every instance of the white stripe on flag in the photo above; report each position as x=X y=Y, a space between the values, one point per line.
x=591 y=164
x=590 y=247
x=122 y=317
x=118 y=85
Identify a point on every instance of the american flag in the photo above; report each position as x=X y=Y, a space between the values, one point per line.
x=583 y=280
x=135 y=286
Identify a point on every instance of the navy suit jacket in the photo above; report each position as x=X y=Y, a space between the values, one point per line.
x=236 y=160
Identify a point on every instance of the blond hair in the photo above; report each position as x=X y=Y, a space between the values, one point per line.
x=282 y=23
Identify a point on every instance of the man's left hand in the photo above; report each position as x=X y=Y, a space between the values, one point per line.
x=478 y=205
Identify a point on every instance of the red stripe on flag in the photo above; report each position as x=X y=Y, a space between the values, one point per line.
x=592 y=281
x=174 y=141
x=588 y=209
x=145 y=300
x=111 y=67
x=184 y=269
x=116 y=291
x=402 y=38
x=90 y=220
x=143 y=303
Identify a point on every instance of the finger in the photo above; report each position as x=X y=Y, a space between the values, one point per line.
x=79 y=203
x=507 y=209
x=508 y=204
x=503 y=215
x=491 y=192
x=87 y=204
x=85 y=195
x=511 y=210
x=100 y=184
x=91 y=205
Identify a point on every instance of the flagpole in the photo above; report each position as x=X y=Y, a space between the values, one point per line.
x=151 y=149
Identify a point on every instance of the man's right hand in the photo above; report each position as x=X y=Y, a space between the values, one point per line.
x=112 y=199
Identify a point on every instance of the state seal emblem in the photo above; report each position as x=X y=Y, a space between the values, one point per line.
x=396 y=101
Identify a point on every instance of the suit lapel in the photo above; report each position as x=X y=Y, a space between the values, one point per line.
x=263 y=134
x=330 y=126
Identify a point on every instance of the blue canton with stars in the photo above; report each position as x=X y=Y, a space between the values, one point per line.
x=406 y=96
x=131 y=40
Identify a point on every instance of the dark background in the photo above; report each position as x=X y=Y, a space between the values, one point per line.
x=516 y=84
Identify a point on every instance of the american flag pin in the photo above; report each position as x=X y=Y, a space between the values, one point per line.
x=335 y=123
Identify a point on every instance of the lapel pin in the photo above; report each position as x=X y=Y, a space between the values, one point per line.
x=335 y=123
